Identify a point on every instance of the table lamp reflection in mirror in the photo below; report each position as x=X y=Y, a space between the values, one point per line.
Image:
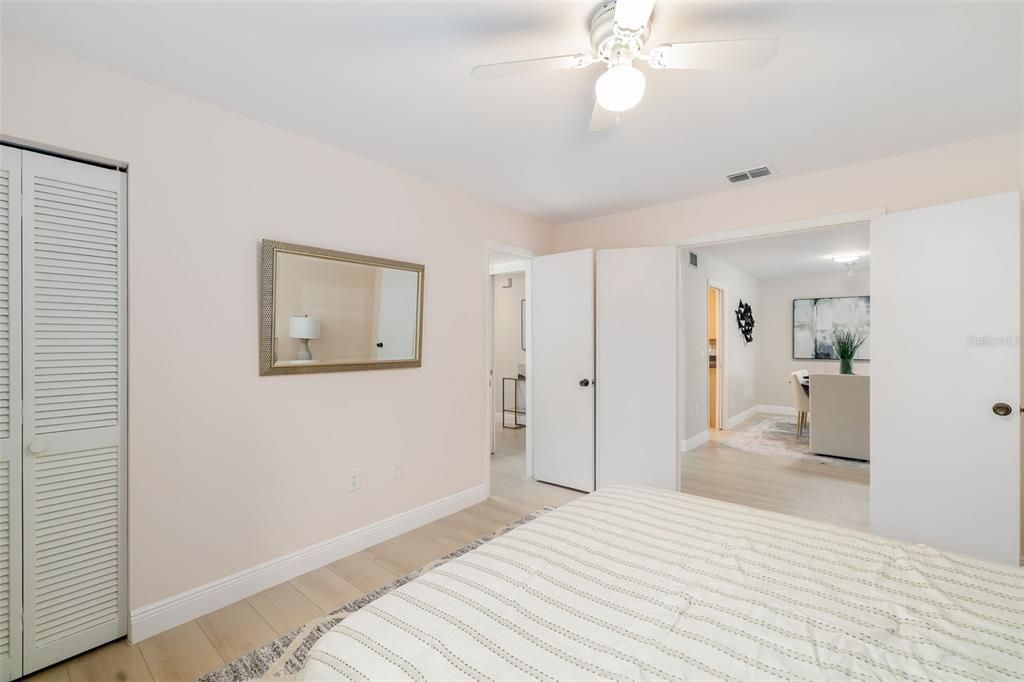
x=304 y=328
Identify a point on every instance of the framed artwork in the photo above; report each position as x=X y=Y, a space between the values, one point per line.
x=814 y=319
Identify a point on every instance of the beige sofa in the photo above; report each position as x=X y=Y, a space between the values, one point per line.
x=840 y=405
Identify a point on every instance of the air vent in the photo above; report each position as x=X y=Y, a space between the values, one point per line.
x=693 y=259
x=751 y=174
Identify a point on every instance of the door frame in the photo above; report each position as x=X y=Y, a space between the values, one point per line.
x=684 y=244
x=720 y=343
x=773 y=229
x=491 y=247
x=15 y=508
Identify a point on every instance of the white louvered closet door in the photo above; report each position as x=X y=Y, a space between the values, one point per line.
x=10 y=413
x=74 y=371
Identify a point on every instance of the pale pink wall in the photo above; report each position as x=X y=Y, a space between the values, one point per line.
x=923 y=178
x=228 y=469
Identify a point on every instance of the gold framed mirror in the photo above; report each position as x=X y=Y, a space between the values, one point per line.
x=331 y=311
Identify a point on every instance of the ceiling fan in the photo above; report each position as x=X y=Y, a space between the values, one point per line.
x=619 y=31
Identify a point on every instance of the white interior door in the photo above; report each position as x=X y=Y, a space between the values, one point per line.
x=637 y=354
x=945 y=348
x=74 y=466
x=398 y=314
x=562 y=413
x=10 y=413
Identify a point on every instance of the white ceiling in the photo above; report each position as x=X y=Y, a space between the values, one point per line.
x=799 y=253
x=390 y=81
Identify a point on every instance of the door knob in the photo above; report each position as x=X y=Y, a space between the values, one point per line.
x=37 y=447
x=584 y=382
x=1002 y=409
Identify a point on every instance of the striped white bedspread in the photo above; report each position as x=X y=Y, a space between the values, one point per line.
x=636 y=583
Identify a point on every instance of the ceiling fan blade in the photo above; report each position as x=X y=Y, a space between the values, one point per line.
x=633 y=15
x=528 y=66
x=602 y=119
x=719 y=54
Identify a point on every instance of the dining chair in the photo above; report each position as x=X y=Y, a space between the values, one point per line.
x=801 y=400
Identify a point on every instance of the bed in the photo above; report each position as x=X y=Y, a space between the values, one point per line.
x=636 y=583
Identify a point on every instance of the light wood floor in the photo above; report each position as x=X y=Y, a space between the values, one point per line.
x=813 y=491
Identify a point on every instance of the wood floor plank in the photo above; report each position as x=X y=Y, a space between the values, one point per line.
x=827 y=492
x=284 y=607
x=437 y=530
x=325 y=588
x=452 y=535
x=116 y=661
x=236 y=630
x=179 y=654
x=473 y=523
x=513 y=505
x=499 y=516
x=55 y=673
x=422 y=545
x=363 y=572
x=394 y=558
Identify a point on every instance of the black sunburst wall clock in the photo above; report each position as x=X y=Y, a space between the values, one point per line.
x=745 y=320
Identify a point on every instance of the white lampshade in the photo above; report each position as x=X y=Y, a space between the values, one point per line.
x=304 y=327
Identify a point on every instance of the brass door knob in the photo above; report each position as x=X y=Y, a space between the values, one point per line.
x=1002 y=409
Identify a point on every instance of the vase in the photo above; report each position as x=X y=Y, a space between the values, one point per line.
x=846 y=365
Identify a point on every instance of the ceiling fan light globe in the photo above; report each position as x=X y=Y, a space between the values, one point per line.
x=620 y=88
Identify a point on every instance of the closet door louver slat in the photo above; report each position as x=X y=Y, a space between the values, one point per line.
x=74 y=408
x=10 y=413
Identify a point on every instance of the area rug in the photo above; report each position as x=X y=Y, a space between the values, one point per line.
x=777 y=436
x=283 y=658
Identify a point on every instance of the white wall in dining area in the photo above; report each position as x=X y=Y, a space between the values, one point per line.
x=228 y=469
x=738 y=358
x=774 y=332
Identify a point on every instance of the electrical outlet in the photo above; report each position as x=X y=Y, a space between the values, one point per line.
x=354 y=479
x=696 y=409
x=396 y=469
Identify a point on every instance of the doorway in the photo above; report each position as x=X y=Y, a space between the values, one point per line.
x=715 y=357
x=508 y=359
x=508 y=291
x=742 y=443
x=906 y=417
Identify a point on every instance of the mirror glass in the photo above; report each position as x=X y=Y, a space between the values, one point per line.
x=333 y=311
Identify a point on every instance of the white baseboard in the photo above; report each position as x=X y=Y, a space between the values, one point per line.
x=777 y=409
x=742 y=416
x=165 y=614
x=695 y=441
